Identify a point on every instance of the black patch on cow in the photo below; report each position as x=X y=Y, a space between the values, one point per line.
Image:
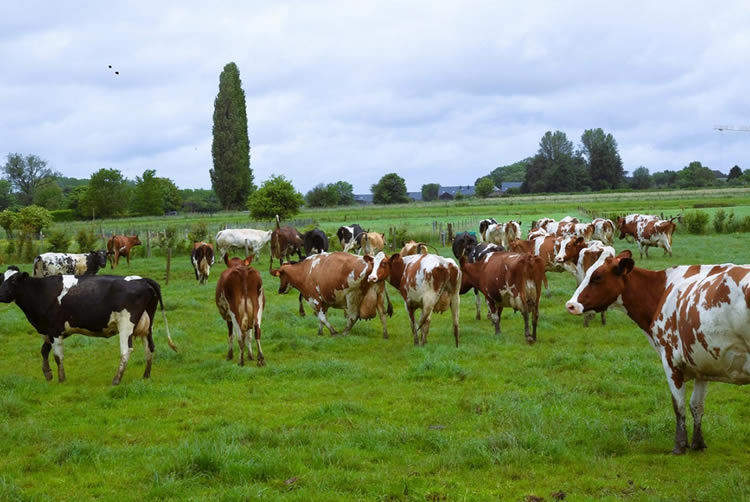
x=316 y=239
x=463 y=244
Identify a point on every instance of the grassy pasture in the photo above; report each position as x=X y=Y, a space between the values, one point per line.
x=584 y=411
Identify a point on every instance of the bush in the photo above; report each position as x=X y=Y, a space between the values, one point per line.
x=59 y=242
x=86 y=240
x=696 y=222
x=11 y=251
x=720 y=223
x=62 y=215
x=198 y=232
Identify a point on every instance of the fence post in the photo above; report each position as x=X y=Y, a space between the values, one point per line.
x=442 y=237
x=169 y=263
x=450 y=232
x=148 y=244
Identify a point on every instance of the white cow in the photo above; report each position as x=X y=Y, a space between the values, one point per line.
x=239 y=237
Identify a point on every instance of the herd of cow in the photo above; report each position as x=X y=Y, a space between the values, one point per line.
x=696 y=317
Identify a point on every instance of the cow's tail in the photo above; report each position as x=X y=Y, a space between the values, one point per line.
x=278 y=222
x=389 y=309
x=155 y=286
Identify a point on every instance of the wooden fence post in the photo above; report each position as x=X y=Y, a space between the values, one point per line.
x=148 y=244
x=169 y=263
x=450 y=232
x=442 y=237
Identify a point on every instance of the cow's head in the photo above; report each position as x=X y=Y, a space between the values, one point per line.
x=135 y=241
x=603 y=284
x=9 y=283
x=569 y=249
x=284 y=284
x=381 y=267
x=99 y=258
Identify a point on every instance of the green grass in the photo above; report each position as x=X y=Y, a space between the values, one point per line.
x=584 y=411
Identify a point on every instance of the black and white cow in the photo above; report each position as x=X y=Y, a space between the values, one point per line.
x=350 y=237
x=316 y=241
x=484 y=225
x=48 y=264
x=92 y=305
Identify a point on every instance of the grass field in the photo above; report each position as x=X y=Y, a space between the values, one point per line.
x=585 y=411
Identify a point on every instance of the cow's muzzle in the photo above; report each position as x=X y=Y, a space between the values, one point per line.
x=574 y=308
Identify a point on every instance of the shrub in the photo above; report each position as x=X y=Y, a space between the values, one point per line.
x=11 y=251
x=198 y=232
x=59 y=242
x=86 y=240
x=62 y=215
x=695 y=222
x=720 y=223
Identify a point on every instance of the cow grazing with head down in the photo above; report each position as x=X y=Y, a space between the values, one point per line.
x=316 y=241
x=697 y=317
x=242 y=238
x=120 y=245
x=425 y=281
x=47 y=264
x=285 y=242
x=240 y=300
x=92 y=305
x=202 y=258
x=337 y=280
x=350 y=237
x=414 y=247
x=508 y=280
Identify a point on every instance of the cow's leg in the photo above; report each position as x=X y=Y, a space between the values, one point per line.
x=534 y=306
x=424 y=321
x=148 y=349
x=696 y=407
x=241 y=341
x=126 y=329
x=383 y=316
x=46 y=348
x=301 y=309
x=587 y=316
x=526 y=332
x=479 y=305
x=230 y=341
x=256 y=330
x=413 y=324
x=57 y=345
x=604 y=317
x=494 y=313
x=455 y=311
x=676 y=381
x=324 y=320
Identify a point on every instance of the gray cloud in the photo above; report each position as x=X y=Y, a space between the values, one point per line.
x=351 y=90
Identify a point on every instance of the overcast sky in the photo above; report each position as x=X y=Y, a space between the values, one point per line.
x=436 y=91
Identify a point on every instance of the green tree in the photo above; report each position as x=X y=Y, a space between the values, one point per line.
x=108 y=194
x=695 y=174
x=49 y=195
x=391 y=189
x=26 y=174
x=735 y=172
x=484 y=187
x=8 y=221
x=231 y=177
x=6 y=194
x=511 y=172
x=322 y=196
x=602 y=159
x=172 y=197
x=665 y=179
x=199 y=201
x=33 y=219
x=148 y=196
x=275 y=196
x=641 y=179
x=555 y=167
x=430 y=191
x=344 y=192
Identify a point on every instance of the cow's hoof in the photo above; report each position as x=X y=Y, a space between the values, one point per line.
x=479 y=317
x=678 y=450
x=530 y=341
x=698 y=445
x=116 y=381
x=385 y=336
x=48 y=376
x=261 y=362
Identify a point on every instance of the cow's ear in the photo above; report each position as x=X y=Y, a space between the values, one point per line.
x=23 y=276
x=579 y=241
x=276 y=272
x=395 y=256
x=368 y=258
x=624 y=266
x=626 y=253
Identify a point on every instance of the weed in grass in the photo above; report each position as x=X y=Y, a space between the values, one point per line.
x=12 y=405
x=76 y=451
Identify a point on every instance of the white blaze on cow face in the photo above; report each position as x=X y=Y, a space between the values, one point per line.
x=68 y=282
x=573 y=305
x=373 y=277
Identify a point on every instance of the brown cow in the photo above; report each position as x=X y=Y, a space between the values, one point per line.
x=336 y=280
x=507 y=280
x=543 y=246
x=648 y=231
x=426 y=281
x=284 y=243
x=202 y=258
x=373 y=243
x=119 y=245
x=413 y=247
x=240 y=300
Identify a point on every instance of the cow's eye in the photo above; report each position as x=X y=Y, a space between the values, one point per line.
x=596 y=278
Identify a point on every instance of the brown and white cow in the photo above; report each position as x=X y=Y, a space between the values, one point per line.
x=240 y=300
x=541 y=224
x=503 y=233
x=120 y=245
x=697 y=317
x=285 y=242
x=577 y=256
x=425 y=281
x=649 y=231
x=507 y=280
x=414 y=247
x=628 y=225
x=337 y=280
x=544 y=246
x=604 y=230
x=202 y=258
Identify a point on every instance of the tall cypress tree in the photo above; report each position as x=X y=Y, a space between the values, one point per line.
x=231 y=177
